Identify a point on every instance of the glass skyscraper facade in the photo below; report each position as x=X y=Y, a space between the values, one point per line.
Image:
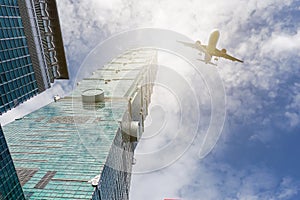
x=10 y=187
x=17 y=78
x=81 y=146
x=31 y=50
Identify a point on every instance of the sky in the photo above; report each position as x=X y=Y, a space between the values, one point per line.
x=255 y=156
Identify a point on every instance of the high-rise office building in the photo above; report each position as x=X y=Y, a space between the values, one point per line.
x=10 y=187
x=31 y=50
x=81 y=146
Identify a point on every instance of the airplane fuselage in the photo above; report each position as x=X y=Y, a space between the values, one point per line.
x=213 y=40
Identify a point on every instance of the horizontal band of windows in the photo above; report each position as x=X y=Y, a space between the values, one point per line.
x=16 y=42
x=11 y=96
x=10 y=21
x=18 y=94
x=9 y=3
x=8 y=60
x=25 y=90
x=15 y=48
x=10 y=33
x=9 y=11
x=8 y=56
x=20 y=69
x=29 y=77
x=11 y=104
x=8 y=87
x=11 y=27
x=13 y=38
x=24 y=95
x=10 y=16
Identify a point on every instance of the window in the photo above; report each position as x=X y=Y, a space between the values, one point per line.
x=14 y=12
x=5 y=66
x=15 y=73
x=1 y=32
x=18 y=11
x=3 y=78
x=20 y=22
x=8 y=97
x=4 y=99
x=15 y=53
x=4 y=11
x=8 y=45
x=12 y=75
x=11 y=54
x=13 y=94
x=22 y=62
x=5 y=34
x=15 y=32
x=9 y=12
x=7 y=24
x=19 y=52
x=2 y=89
x=22 y=31
x=6 y=55
x=2 y=56
x=18 y=42
x=26 y=51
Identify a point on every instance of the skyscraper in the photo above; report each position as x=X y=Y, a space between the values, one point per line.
x=31 y=50
x=81 y=146
x=10 y=187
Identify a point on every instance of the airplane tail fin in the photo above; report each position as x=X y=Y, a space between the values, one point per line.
x=207 y=58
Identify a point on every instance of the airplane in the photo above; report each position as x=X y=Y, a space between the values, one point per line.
x=210 y=50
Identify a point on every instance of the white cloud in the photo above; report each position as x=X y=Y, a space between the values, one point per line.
x=280 y=43
x=293 y=107
x=217 y=181
x=288 y=188
x=293 y=118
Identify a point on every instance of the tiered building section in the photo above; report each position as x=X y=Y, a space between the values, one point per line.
x=81 y=146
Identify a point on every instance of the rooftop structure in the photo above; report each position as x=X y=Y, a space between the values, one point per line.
x=86 y=139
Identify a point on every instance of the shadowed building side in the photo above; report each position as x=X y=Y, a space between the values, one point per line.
x=10 y=187
x=114 y=180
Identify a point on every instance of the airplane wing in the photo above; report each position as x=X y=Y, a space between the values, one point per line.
x=219 y=53
x=200 y=47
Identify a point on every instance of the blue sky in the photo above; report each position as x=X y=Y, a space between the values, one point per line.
x=256 y=156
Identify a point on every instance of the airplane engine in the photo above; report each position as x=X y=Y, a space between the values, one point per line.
x=198 y=42
x=224 y=51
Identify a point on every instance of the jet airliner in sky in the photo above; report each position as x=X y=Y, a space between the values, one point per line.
x=210 y=50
